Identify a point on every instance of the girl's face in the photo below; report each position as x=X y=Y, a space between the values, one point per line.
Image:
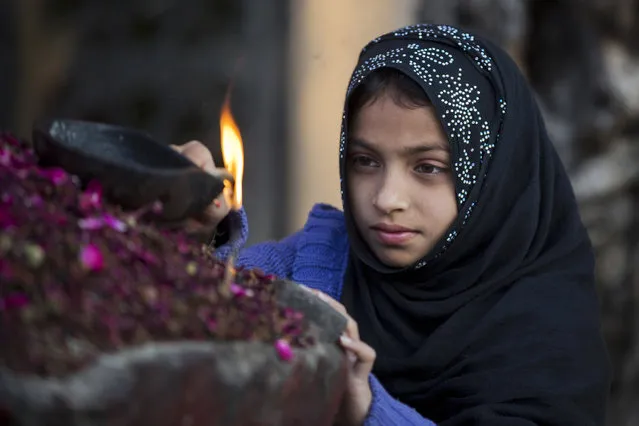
x=400 y=185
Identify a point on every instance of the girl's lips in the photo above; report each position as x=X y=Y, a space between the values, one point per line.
x=394 y=238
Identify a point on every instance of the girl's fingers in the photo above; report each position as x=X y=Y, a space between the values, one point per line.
x=198 y=153
x=363 y=354
x=216 y=211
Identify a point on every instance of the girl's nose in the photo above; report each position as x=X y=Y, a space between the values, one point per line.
x=392 y=195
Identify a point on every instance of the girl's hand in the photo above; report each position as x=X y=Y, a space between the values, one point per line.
x=219 y=208
x=358 y=399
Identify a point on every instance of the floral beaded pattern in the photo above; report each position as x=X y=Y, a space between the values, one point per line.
x=466 y=42
x=435 y=66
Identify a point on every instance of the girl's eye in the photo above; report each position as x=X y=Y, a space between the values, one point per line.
x=429 y=169
x=364 y=161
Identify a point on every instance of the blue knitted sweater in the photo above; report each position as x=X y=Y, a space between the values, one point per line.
x=316 y=256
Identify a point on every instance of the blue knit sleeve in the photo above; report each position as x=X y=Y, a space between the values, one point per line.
x=272 y=257
x=387 y=411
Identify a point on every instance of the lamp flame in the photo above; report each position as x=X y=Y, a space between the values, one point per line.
x=232 y=153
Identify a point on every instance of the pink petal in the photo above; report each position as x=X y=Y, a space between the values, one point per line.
x=148 y=258
x=7 y=199
x=5 y=269
x=94 y=223
x=14 y=301
x=5 y=158
x=236 y=289
x=91 y=198
x=91 y=223
x=11 y=139
x=292 y=329
x=211 y=324
x=34 y=201
x=293 y=314
x=284 y=350
x=114 y=223
x=183 y=247
x=240 y=291
x=56 y=175
x=91 y=258
x=163 y=310
x=60 y=219
x=6 y=219
x=94 y=187
x=87 y=202
x=157 y=207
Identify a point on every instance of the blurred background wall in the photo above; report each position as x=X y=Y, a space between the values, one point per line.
x=164 y=66
x=326 y=37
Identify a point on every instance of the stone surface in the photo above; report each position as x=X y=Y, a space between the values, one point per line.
x=187 y=384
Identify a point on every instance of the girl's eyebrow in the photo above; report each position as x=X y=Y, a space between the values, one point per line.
x=408 y=151
x=360 y=143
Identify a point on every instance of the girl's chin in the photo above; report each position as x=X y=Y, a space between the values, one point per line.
x=396 y=259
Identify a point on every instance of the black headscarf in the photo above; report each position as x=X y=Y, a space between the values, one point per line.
x=499 y=324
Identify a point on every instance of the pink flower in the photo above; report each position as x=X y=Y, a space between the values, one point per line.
x=183 y=247
x=237 y=290
x=94 y=186
x=293 y=314
x=91 y=258
x=60 y=219
x=95 y=223
x=14 y=301
x=114 y=223
x=5 y=158
x=56 y=175
x=91 y=223
x=5 y=269
x=6 y=219
x=284 y=350
x=91 y=198
x=157 y=207
x=34 y=201
x=291 y=329
x=7 y=199
x=211 y=324
x=10 y=139
x=163 y=310
x=240 y=291
x=148 y=258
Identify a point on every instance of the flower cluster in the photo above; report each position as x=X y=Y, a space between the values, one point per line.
x=80 y=277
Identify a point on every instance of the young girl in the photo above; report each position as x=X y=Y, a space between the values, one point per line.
x=460 y=257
